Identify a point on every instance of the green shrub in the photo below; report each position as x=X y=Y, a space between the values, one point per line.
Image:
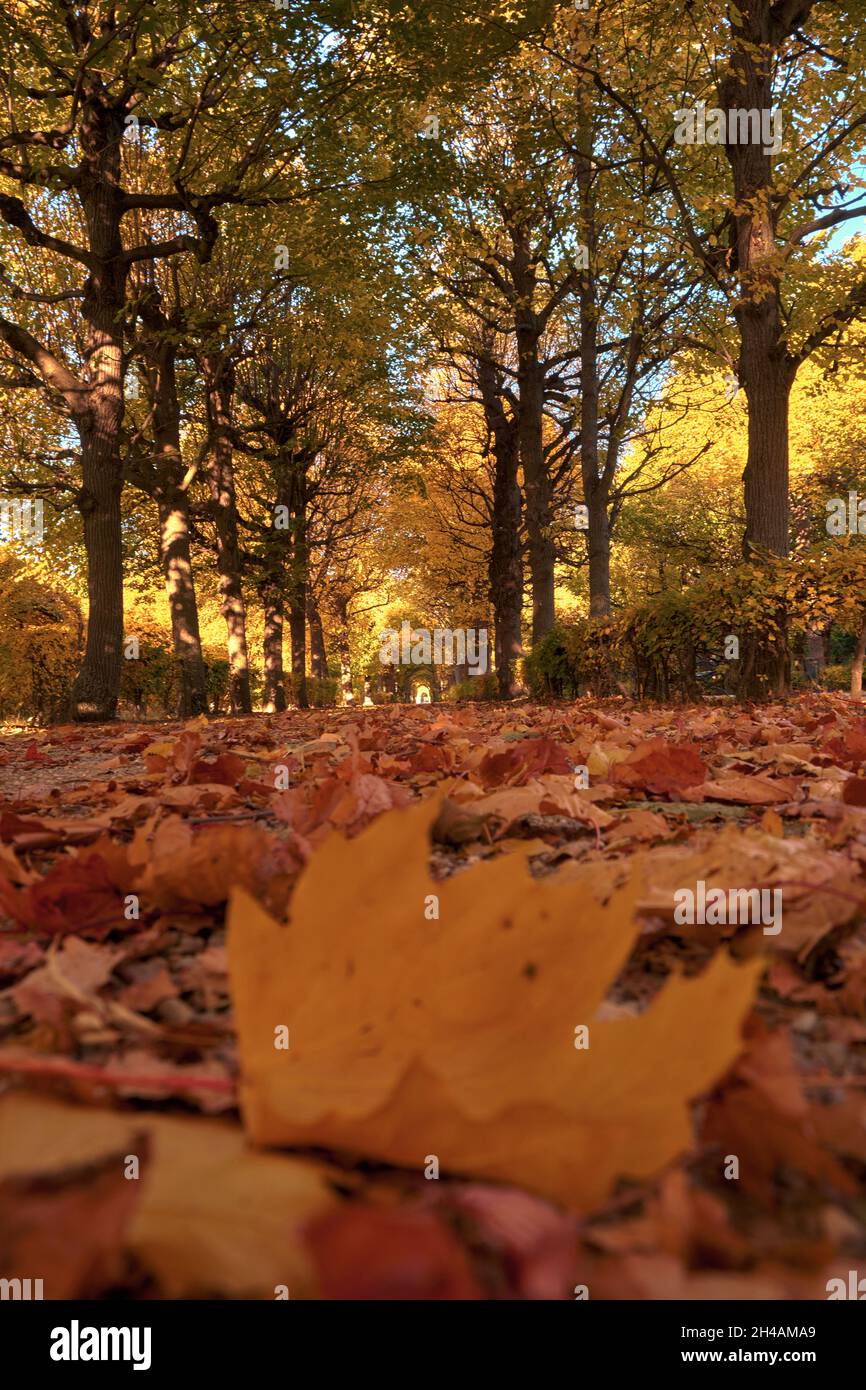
x=836 y=678
x=474 y=688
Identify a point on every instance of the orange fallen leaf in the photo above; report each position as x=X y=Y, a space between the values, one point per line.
x=752 y=790
x=212 y=1216
x=457 y=1036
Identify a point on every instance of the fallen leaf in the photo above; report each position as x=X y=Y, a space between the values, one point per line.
x=403 y=1044
x=210 y=1215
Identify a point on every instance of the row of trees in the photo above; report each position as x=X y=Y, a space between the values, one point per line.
x=272 y=276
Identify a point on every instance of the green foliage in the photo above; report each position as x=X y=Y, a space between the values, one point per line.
x=150 y=684
x=474 y=688
x=322 y=691
x=673 y=645
x=572 y=658
x=836 y=678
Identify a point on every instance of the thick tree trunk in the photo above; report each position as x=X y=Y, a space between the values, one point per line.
x=94 y=693
x=765 y=368
x=596 y=480
x=768 y=388
x=537 y=490
x=298 y=636
x=505 y=566
x=318 y=655
x=172 y=502
x=176 y=559
x=599 y=555
x=274 y=692
x=298 y=588
x=530 y=434
x=221 y=482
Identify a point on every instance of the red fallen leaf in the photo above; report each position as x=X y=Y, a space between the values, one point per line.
x=13 y=826
x=659 y=766
x=433 y=757
x=849 y=748
x=76 y=895
x=401 y=1253
x=854 y=791
x=227 y=770
x=350 y=799
x=69 y=1228
x=522 y=762
x=33 y=755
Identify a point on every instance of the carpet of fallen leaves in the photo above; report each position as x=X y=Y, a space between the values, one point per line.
x=120 y=847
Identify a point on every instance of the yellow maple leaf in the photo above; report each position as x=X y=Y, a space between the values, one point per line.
x=411 y=1035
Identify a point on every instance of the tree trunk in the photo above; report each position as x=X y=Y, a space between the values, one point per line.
x=857 y=665
x=274 y=692
x=768 y=388
x=298 y=636
x=596 y=480
x=221 y=482
x=175 y=556
x=172 y=501
x=95 y=690
x=530 y=433
x=505 y=566
x=764 y=368
x=298 y=584
x=599 y=555
x=318 y=655
x=346 y=689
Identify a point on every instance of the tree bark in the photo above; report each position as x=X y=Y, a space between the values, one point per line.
x=274 y=692
x=298 y=575
x=530 y=433
x=318 y=655
x=505 y=566
x=346 y=689
x=298 y=639
x=857 y=665
x=221 y=482
x=175 y=556
x=172 y=501
x=95 y=690
x=765 y=369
